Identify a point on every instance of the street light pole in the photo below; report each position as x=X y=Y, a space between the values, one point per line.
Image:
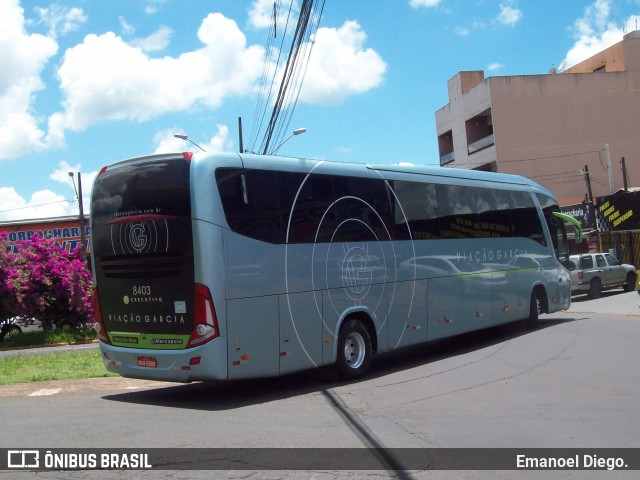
x=297 y=131
x=185 y=137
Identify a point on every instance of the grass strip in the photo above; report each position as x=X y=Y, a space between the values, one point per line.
x=85 y=363
x=45 y=338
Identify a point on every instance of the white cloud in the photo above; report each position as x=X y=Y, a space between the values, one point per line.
x=42 y=204
x=23 y=57
x=594 y=32
x=104 y=78
x=155 y=42
x=466 y=31
x=46 y=203
x=495 y=67
x=423 y=3
x=340 y=66
x=220 y=141
x=167 y=143
x=509 y=15
x=61 y=19
x=61 y=175
x=152 y=7
x=127 y=28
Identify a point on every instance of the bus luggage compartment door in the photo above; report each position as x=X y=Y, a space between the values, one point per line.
x=253 y=337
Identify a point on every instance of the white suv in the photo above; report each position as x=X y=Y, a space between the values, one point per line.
x=593 y=272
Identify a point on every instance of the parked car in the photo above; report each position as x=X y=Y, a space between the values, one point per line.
x=10 y=326
x=593 y=272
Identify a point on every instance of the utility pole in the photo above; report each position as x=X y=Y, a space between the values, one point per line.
x=82 y=234
x=587 y=182
x=81 y=211
x=609 y=170
x=625 y=180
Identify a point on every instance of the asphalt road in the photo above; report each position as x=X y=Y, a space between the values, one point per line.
x=574 y=382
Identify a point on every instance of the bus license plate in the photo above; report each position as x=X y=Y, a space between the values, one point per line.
x=147 y=362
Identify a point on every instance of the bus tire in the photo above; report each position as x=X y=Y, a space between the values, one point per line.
x=354 y=349
x=534 y=311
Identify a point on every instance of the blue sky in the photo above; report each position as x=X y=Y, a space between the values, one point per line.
x=85 y=83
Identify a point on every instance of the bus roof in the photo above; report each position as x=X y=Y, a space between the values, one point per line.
x=387 y=170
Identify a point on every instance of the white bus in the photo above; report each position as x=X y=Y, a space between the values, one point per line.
x=241 y=266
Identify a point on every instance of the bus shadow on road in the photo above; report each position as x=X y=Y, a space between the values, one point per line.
x=230 y=395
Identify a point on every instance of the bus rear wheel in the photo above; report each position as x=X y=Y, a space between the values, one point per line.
x=534 y=311
x=354 y=349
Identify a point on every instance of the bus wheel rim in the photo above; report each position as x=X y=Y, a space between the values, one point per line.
x=354 y=350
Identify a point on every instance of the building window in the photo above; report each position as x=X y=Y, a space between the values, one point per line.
x=445 y=147
x=479 y=131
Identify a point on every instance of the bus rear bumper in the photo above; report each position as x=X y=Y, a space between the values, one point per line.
x=206 y=362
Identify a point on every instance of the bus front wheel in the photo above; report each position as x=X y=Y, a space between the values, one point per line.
x=354 y=349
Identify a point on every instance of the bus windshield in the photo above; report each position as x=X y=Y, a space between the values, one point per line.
x=557 y=229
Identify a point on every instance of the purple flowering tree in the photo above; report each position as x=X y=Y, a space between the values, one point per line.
x=44 y=282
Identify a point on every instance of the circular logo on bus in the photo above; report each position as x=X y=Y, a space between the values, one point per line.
x=140 y=237
x=356 y=274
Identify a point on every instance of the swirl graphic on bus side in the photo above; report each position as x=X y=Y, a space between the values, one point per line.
x=361 y=268
x=362 y=264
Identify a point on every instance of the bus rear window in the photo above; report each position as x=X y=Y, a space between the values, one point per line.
x=153 y=186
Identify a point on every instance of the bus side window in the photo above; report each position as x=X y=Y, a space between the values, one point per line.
x=526 y=221
x=493 y=213
x=250 y=203
x=415 y=211
x=363 y=210
x=312 y=220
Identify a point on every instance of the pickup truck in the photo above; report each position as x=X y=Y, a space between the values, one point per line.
x=593 y=272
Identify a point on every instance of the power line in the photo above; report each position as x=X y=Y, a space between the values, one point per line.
x=568 y=174
x=300 y=72
x=292 y=78
x=35 y=206
x=264 y=97
x=550 y=156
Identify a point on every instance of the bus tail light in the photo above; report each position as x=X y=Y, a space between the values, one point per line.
x=99 y=325
x=205 y=326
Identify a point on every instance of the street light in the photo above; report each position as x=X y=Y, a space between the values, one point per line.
x=297 y=131
x=81 y=210
x=185 y=137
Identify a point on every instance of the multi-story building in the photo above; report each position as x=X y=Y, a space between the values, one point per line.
x=550 y=127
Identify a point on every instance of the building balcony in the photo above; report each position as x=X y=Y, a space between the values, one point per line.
x=480 y=144
x=447 y=158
